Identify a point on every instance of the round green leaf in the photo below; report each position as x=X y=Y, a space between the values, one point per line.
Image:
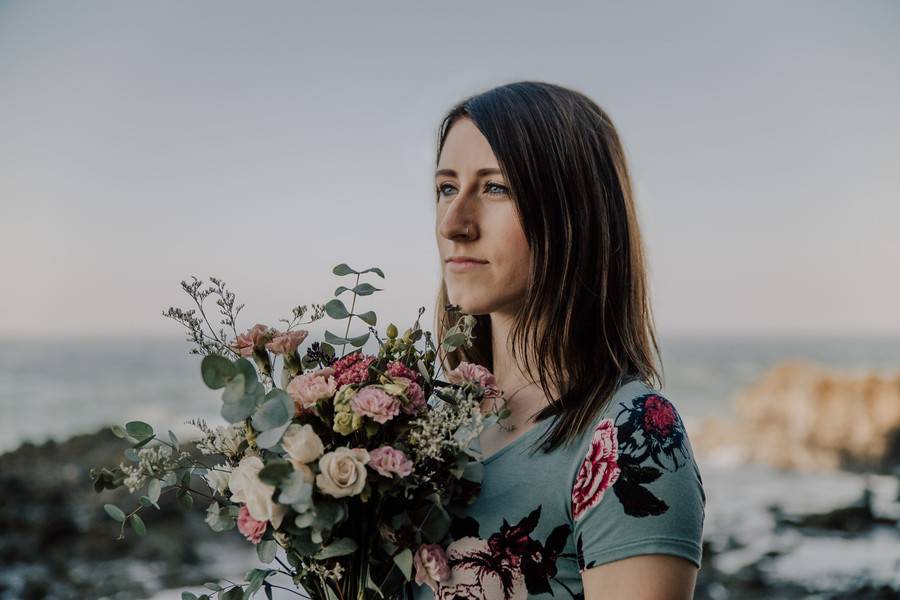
x=216 y=370
x=115 y=512
x=342 y=269
x=336 y=309
x=275 y=412
x=138 y=525
x=118 y=431
x=369 y=317
x=138 y=430
x=265 y=550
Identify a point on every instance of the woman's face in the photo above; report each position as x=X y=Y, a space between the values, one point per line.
x=471 y=191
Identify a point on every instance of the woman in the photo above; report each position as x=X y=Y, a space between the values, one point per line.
x=590 y=487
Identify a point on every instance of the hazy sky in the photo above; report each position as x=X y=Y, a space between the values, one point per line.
x=263 y=143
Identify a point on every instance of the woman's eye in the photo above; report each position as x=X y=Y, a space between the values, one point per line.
x=440 y=189
x=496 y=186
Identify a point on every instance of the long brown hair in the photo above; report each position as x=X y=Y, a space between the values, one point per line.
x=586 y=322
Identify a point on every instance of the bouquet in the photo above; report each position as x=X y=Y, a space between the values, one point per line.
x=351 y=467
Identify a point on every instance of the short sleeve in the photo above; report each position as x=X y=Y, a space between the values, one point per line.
x=636 y=488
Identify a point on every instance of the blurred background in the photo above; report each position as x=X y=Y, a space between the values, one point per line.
x=143 y=143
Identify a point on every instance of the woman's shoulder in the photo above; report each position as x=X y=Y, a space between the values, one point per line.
x=635 y=483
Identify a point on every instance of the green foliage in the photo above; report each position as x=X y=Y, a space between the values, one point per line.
x=274 y=472
x=275 y=411
x=339 y=547
x=265 y=550
x=115 y=512
x=216 y=371
x=404 y=561
x=138 y=525
x=138 y=430
x=336 y=309
x=118 y=431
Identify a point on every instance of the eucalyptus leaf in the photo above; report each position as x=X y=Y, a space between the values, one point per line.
x=369 y=317
x=246 y=368
x=131 y=454
x=404 y=561
x=266 y=550
x=216 y=370
x=118 y=431
x=173 y=438
x=274 y=472
x=342 y=269
x=115 y=512
x=336 y=310
x=238 y=411
x=359 y=340
x=169 y=479
x=333 y=339
x=235 y=389
x=188 y=596
x=276 y=411
x=296 y=491
x=269 y=439
x=138 y=525
x=340 y=290
x=365 y=289
x=375 y=270
x=138 y=430
x=338 y=547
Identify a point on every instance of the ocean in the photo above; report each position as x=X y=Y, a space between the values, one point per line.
x=53 y=389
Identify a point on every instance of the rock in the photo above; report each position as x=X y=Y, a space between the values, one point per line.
x=803 y=416
x=57 y=542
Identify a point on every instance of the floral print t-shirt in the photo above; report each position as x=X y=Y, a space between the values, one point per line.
x=629 y=486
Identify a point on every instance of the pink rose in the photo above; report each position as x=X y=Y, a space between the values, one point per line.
x=431 y=565
x=251 y=529
x=375 y=403
x=599 y=469
x=287 y=342
x=389 y=462
x=353 y=368
x=254 y=338
x=308 y=388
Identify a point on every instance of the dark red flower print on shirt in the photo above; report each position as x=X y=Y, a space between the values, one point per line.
x=599 y=469
x=509 y=565
x=649 y=428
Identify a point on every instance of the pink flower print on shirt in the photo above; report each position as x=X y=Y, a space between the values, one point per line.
x=599 y=470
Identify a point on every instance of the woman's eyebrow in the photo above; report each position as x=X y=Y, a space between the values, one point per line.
x=479 y=172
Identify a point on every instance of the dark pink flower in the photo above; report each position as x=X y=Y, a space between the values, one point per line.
x=659 y=416
x=599 y=470
x=353 y=368
x=249 y=527
x=396 y=368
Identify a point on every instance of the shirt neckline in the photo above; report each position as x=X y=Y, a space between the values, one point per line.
x=516 y=442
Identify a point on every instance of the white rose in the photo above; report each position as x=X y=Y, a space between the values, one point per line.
x=247 y=488
x=302 y=444
x=343 y=472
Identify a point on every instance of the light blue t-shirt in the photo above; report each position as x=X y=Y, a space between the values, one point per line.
x=629 y=486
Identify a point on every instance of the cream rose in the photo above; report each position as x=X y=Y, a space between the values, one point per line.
x=343 y=472
x=247 y=488
x=301 y=443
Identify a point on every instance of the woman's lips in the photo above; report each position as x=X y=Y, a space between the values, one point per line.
x=463 y=266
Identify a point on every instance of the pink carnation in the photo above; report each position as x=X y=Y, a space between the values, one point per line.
x=389 y=462
x=287 y=342
x=474 y=373
x=396 y=368
x=308 y=388
x=255 y=337
x=375 y=403
x=353 y=368
x=431 y=565
x=249 y=527
x=415 y=394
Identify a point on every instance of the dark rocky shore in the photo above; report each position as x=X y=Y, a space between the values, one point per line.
x=57 y=542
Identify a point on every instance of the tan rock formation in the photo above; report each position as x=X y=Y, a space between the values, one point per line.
x=804 y=416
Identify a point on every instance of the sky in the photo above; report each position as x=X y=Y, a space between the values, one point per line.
x=142 y=143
